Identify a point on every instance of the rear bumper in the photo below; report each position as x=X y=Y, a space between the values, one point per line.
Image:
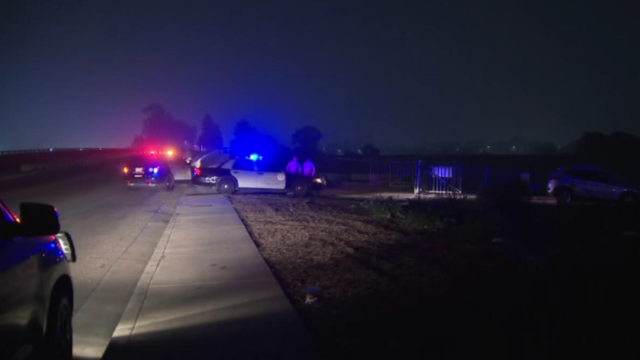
x=144 y=181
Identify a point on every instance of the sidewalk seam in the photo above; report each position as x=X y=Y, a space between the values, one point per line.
x=129 y=319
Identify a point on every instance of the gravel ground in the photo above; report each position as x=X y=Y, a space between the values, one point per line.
x=443 y=279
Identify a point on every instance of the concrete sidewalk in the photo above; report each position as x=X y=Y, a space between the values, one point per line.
x=208 y=293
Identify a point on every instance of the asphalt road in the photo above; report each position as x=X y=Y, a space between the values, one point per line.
x=115 y=230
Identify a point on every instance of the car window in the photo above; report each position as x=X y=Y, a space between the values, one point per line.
x=145 y=161
x=602 y=177
x=268 y=166
x=585 y=175
x=244 y=164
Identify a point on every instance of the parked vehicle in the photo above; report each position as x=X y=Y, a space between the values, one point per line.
x=36 y=290
x=570 y=184
x=228 y=175
x=149 y=171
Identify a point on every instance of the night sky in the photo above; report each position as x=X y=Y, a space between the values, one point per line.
x=78 y=73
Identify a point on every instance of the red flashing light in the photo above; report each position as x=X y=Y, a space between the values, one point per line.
x=198 y=172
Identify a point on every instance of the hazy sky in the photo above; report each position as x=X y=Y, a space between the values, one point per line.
x=78 y=73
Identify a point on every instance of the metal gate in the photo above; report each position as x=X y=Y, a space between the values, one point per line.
x=439 y=179
x=443 y=179
x=395 y=174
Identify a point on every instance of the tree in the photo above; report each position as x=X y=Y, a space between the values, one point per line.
x=160 y=128
x=369 y=150
x=249 y=140
x=210 y=136
x=306 y=140
x=138 y=141
x=243 y=129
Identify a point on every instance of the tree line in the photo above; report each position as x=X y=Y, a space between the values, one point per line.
x=160 y=128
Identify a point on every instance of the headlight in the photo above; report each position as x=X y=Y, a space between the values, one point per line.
x=317 y=180
x=66 y=244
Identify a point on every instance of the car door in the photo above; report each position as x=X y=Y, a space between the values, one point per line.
x=21 y=296
x=582 y=182
x=270 y=176
x=604 y=186
x=244 y=171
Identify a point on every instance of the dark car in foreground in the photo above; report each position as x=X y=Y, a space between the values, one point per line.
x=584 y=182
x=228 y=174
x=36 y=290
x=148 y=171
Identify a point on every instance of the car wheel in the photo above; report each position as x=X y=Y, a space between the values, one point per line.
x=226 y=186
x=301 y=190
x=59 y=335
x=170 y=183
x=563 y=196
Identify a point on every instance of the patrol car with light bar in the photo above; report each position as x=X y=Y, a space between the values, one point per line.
x=229 y=174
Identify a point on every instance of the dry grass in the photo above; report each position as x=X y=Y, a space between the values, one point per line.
x=419 y=280
x=363 y=256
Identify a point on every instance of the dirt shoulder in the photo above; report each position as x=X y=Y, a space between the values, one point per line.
x=442 y=279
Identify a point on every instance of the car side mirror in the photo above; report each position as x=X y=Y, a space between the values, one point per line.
x=38 y=219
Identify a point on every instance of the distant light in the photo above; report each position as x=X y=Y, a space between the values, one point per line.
x=50 y=149
x=488 y=146
x=155 y=170
x=125 y=170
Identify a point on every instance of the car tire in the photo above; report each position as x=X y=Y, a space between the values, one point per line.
x=301 y=190
x=170 y=183
x=563 y=196
x=58 y=341
x=226 y=186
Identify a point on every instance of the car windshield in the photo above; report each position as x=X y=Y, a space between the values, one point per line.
x=145 y=161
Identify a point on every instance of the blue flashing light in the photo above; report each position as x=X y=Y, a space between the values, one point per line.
x=254 y=157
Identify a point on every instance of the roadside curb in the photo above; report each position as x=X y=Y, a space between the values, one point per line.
x=127 y=322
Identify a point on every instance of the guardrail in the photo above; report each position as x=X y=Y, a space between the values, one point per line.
x=35 y=151
x=26 y=160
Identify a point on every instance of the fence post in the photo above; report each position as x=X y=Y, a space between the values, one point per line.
x=418 y=182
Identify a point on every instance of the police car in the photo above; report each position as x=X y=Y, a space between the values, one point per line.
x=36 y=290
x=229 y=174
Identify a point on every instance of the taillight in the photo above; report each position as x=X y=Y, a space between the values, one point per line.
x=125 y=170
x=198 y=172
